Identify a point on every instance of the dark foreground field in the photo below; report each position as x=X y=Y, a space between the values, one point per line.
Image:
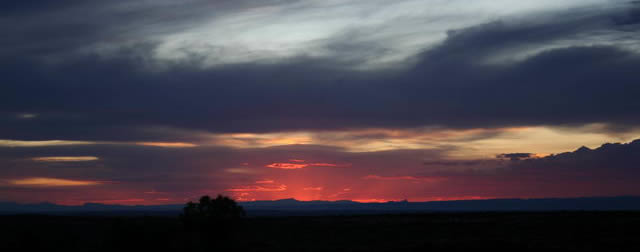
x=569 y=231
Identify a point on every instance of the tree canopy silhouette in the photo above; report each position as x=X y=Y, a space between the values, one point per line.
x=220 y=211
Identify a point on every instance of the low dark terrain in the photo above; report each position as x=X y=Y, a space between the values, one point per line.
x=517 y=231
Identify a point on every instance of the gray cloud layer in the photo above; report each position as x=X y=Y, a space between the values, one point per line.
x=564 y=67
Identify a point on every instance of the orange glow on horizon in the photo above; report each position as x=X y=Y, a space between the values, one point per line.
x=471 y=143
x=466 y=168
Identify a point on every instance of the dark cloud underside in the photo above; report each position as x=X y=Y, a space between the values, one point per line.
x=452 y=85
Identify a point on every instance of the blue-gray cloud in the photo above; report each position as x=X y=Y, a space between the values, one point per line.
x=566 y=67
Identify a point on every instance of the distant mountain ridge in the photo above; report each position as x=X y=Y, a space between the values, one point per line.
x=287 y=207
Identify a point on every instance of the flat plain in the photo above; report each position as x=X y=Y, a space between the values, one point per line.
x=496 y=231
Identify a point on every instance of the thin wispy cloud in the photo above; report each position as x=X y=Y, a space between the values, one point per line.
x=50 y=182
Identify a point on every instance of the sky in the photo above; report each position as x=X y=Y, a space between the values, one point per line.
x=141 y=102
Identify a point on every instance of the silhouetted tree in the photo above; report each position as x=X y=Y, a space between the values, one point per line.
x=211 y=214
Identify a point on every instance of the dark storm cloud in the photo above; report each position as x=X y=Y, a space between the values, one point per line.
x=30 y=6
x=465 y=82
x=611 y=169
x=618 y=159
x=632 y=18
x=608 y=170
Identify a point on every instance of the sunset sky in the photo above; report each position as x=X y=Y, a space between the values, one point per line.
x=141 y=102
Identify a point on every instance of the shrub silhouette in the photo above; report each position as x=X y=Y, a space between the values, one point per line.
x=207 y=213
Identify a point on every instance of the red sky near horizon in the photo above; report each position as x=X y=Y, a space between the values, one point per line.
x=303 y=172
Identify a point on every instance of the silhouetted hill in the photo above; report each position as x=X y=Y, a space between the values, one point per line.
x=87 y=208
x=295 y=207
x=349 y=207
